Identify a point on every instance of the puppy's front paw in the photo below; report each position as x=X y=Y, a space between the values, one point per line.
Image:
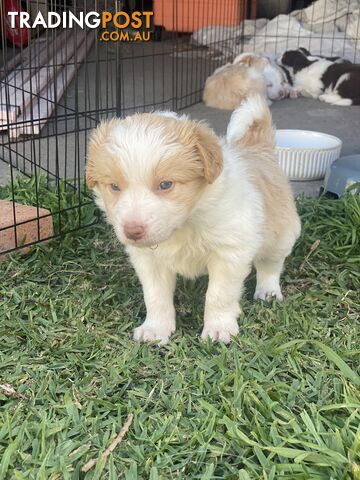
x=267 y=292
x=293 y=93
x=153 y=332
x=220 y=331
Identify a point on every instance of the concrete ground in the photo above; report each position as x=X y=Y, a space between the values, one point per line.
x=303 y=114
x=152 y=74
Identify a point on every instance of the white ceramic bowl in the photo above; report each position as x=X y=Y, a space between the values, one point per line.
x=306 y=155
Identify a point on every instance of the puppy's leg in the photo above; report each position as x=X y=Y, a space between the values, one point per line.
x=268 y=271
x=158 y=284
x=222 y=299
x=335 y=99
x=293 y=92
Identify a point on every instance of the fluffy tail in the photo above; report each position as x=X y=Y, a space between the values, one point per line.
x=251 y=124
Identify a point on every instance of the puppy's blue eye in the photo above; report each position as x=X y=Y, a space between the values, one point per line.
x=115 y=187
x=165 y=185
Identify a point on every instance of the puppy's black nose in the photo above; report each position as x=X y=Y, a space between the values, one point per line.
x=134 y=231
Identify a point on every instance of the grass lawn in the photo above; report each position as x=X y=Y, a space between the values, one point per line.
x=282 y=401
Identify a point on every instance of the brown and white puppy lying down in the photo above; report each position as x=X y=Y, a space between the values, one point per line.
x=183 y=201
x=249 y=73
x=229 y=85
x=277 y=85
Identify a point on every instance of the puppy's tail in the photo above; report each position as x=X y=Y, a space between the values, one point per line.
x=251 y=124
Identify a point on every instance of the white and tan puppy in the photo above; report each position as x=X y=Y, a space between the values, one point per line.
x=230 y=85
x=277 y=86
x=183 y=201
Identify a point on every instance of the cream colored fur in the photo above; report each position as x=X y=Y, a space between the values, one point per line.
x=229 y=207
x=228 y=86
x=249 y=74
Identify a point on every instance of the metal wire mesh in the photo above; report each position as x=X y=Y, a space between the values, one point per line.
x=57 y=86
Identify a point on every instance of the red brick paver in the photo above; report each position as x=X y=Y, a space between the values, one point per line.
x=33 y=230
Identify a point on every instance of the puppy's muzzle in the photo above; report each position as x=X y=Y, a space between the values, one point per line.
x=134 y=231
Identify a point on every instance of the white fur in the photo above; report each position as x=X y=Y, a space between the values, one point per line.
x=308 y=80
x=170 y=114
x=276 y=85
x=319 y=57
x=331 y=96
x=335 y=99
x=243 y=117
x=195 y=249
x=341 y=79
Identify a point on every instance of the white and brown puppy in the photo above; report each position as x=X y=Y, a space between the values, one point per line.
x=182 y=201
x=277 y=85
x=230 y=84
x=249 y=73
x=335 y=81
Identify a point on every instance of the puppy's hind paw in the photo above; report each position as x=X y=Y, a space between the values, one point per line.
x=153 y=332
x=220 y=332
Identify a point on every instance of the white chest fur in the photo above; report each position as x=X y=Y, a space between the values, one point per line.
x=187 y=253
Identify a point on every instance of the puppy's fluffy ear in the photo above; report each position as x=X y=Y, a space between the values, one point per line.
x=251 y=60
x=95 y=143
x=295 y=59
x=289 y=57
x=247 y=60
x=89 y=172
x=305 y=51
x=209 y=150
